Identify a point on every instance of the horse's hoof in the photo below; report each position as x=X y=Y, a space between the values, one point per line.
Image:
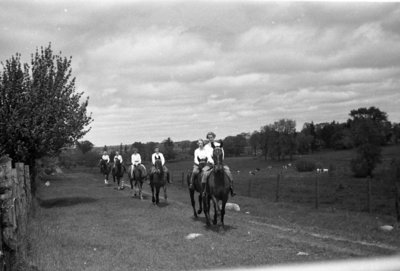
x=199 y=211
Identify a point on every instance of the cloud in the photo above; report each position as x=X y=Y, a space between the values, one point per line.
x=178 y=69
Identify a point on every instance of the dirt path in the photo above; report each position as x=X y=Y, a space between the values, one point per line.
x=92 y=227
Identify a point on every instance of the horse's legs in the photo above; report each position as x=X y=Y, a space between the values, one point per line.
x=223 y=213
x=165 y=193
x=157 y=195
x=206 y=208
x=200 y=201
x=216 y=209
x=140 y=190
x=153 y=199
x=191 y=193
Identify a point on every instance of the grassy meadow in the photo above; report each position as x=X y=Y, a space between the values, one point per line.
x=80 y=224
x=338 y=189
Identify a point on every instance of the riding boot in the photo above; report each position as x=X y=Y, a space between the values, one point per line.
x=191 y=182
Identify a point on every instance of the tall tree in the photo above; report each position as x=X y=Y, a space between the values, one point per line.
x=40 y=110
x=366 y=126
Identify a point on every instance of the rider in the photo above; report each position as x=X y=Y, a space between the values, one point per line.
x=157 y=155
x=117 y=156
x=136 y=160
x=200 y=155
x=105 y=157
x=207 y=169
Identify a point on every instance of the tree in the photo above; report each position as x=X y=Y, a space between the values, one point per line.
x=85 y=146
x=234 y=145
x=309 y=132
x=366 y=127
x=255 y=141
x=40 y=111
x=168 y=145
x=377 y=118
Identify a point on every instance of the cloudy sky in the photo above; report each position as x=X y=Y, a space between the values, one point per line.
x=157 y=69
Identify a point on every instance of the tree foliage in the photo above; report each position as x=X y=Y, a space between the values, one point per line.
x=40 y=110
x=84 y=146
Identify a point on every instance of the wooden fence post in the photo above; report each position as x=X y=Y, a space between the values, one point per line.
x=369 y=194
x=278 y=177
x=317 y=191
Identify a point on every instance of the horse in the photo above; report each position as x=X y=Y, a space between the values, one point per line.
x=196 y=188
x=217 y=189
x=158 y=180
x=136 y=179
x=105 y=169
x=118 y=171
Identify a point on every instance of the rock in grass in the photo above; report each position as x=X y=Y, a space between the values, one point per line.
x=192 y=236
x=232 y=206
x=386 y=228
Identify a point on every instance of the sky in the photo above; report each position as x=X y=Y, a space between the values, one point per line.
x=179 y=69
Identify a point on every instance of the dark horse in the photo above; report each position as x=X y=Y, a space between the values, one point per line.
x=136 y=178
x=105 y=169
x=117 y=173
x=217 y=189
x=196 y=188
x=158 y=180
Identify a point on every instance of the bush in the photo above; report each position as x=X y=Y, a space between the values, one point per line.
x=305 y=165
x=359 y=166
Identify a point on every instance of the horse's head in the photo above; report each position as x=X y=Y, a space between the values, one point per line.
x=159 y=167
x=218 y=159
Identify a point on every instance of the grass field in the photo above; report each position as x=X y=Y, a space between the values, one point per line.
x=80 y=224
x=338 y=189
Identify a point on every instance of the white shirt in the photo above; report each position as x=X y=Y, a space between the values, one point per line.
x=202 y=154
x=106 y=157
x=119 y=157
x=136 y=159
x=160 y=155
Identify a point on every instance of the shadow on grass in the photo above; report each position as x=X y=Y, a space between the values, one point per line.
x=162 y=204
x=64 y=202
x=218 y=228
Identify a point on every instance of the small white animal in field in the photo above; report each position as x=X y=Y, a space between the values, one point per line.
x=47 y=183
x=232 y=206
x=325 y=170
x=319 y=169
x=191 y=236
x=289 y=165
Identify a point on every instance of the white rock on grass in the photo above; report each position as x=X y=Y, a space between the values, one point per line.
x=191 y=236
x=232 y=206
x=386 y=228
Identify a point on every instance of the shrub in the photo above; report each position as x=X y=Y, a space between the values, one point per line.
x=359 y=166
x=304 y=165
